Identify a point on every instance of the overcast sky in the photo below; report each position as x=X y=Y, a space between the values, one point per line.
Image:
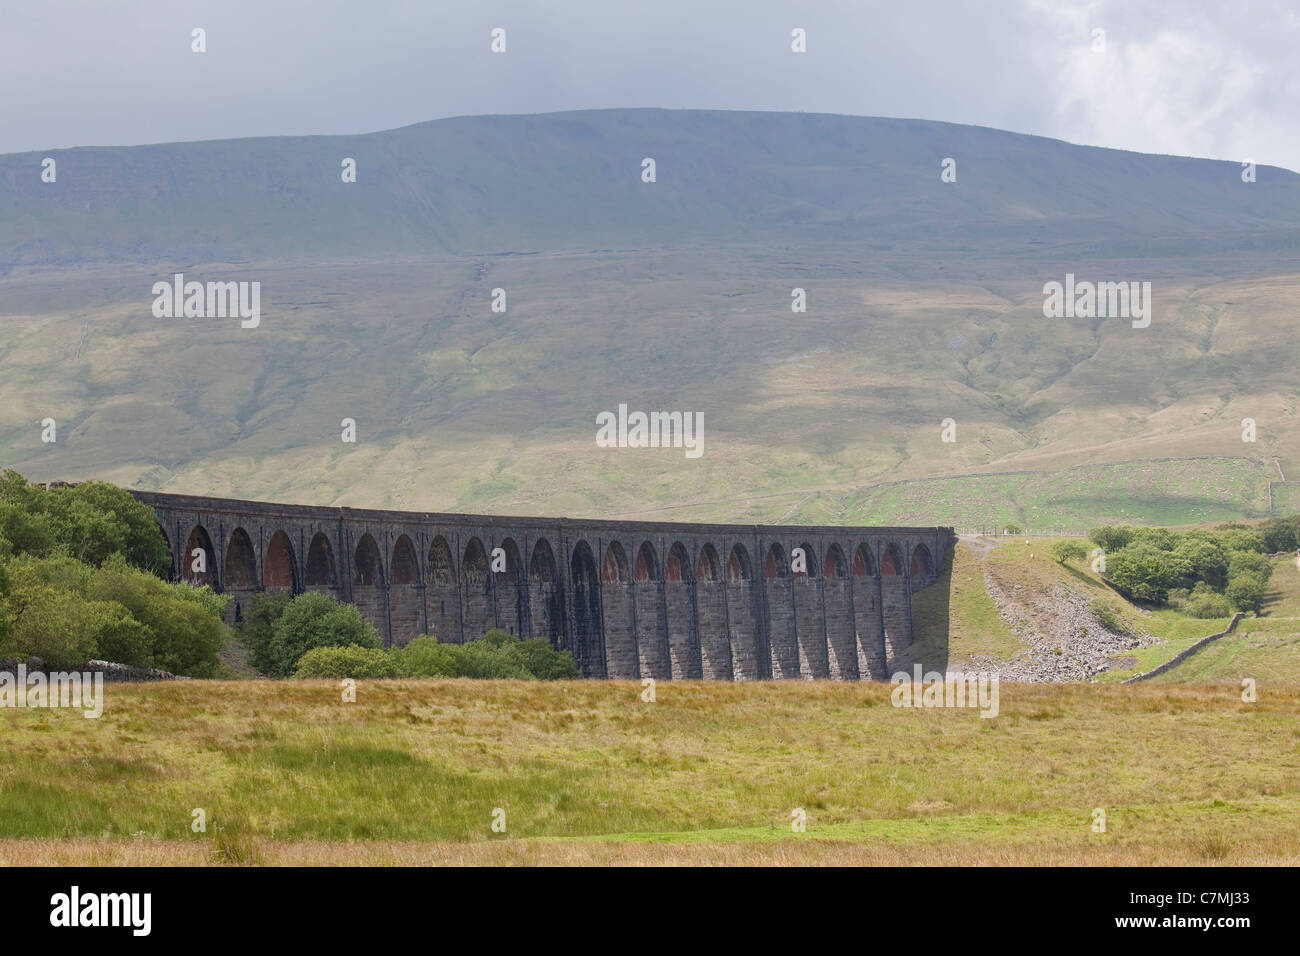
x=1198 y=77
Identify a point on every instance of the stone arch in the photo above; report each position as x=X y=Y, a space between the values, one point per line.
x=711 y=614
x=546 y=596
x=588 y=640
x=617 y=601
x=679 y=608
x=707 y=568
x=200 y=541
x=921 y=564
x=783 y=645
x=320 y=563
x=841 y=628
x=813 y=655
x=279 y=570
x=367 y=563
x=442 y=596
x=738 y=566
x=647 y=563
x=404 y=568
x=650 y=614
x=475 y=585
x=241 y=562
x=864 y=565
x=895 y=607
x=171 y=554
x=613 y=569
x=775 y=564
x=748 y=649
x=511 y=590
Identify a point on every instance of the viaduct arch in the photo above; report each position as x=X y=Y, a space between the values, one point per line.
x=629 y=599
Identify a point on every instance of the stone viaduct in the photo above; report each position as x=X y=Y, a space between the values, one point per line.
x=630 y=599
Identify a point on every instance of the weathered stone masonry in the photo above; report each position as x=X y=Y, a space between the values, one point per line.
x=629 y=599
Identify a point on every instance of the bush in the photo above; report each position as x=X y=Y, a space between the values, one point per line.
x=425 y=657
x=495 y=655
x=1281 y=534
x=1204 y=602
x=1011 y=529
x=1246 y=591
x=351 y=661
x=1107 y=616
x=314 y=620
x=1069 y=549
x=1248 y=562
x=1112 y=537
x=258 y=627
x=1141 y=572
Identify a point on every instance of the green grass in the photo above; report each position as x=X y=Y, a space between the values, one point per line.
x=427 y=762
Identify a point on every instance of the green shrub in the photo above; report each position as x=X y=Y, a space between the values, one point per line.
x=1204 y=602
x=258 y=627
x=1141 y=572
x=425 y=657
x=351 y=661
x=1107 y=616
x=1245 y=591
x=314 y=620
x=1112 y=537
x=1069 y=549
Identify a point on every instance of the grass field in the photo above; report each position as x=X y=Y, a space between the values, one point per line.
x=710 y=773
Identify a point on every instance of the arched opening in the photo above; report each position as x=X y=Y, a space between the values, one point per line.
x=241 y=562
x=511 y=590
x=706 y=569
x=588 y=641
x=748 y=649
x=647 y=564
x=440 y=566
x=921 y=564
x=738 y=564
x=199 y=562
x=405 y=566
x=320 y=563
x=475 y=590
x=679 y=596
x=891 y=562
x=169 y=572
x=863 y=566
x=367 y=566
x=546 y=597
x=676 y=569
x=441 y=596
x=775 y=565
x=279 y=570
x=613 y=570
x=834 y=565
x=711 y=608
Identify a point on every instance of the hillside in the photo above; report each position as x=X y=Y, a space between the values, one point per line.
x=924 y=303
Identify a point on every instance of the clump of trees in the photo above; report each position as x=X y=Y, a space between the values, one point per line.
x=315 y=635
x=80 y=580
x=1207 y=573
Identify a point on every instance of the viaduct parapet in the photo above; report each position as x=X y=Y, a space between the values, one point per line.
x=630 y=599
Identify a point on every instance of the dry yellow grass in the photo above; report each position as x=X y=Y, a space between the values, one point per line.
x=586 y=772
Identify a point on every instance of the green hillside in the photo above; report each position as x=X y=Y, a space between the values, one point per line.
x=924 y=303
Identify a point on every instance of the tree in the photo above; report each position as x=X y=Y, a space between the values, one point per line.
x=313 y=620
x=1069 y=549
x=1142 y=572
x=1246 y=592
x=1111 y=537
